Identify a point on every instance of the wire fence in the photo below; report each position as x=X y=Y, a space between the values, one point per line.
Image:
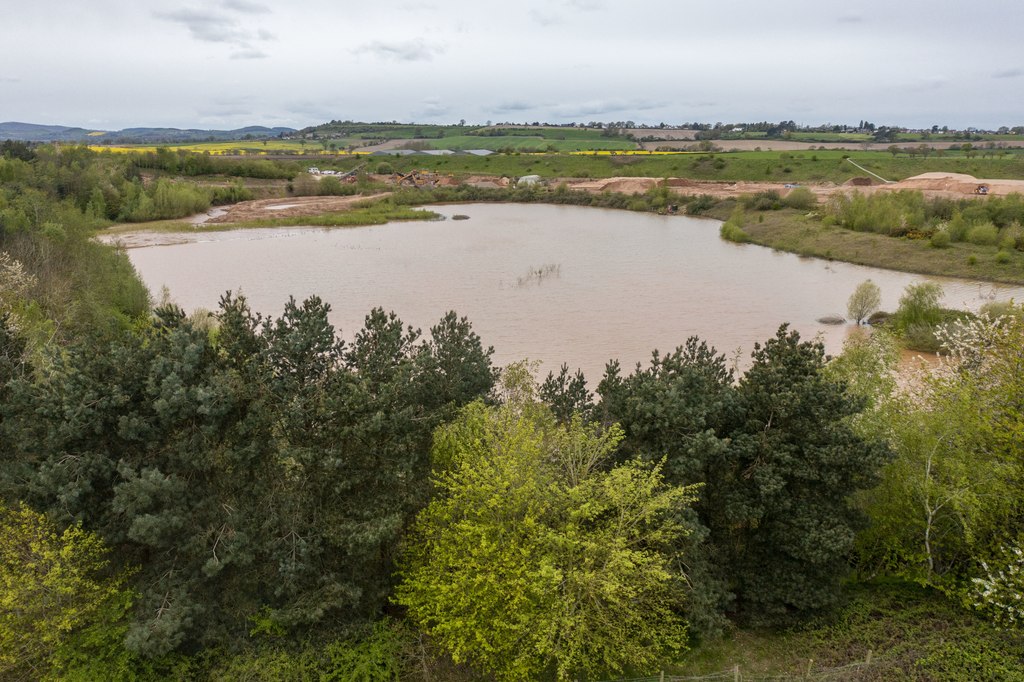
x=736 y=674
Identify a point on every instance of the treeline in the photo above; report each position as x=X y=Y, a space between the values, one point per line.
x=100 y=187
x=180 y=162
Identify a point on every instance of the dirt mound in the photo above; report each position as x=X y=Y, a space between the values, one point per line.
x=859 y=182
x=958 y=184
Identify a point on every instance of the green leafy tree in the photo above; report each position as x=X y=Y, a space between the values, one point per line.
x=56 y=591
x=951 y=498
x=536 y=559
x=864 y=300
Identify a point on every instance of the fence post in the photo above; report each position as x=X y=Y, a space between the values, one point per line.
x=868 y=662
x=736 y=673
x=661 y=676
x=810 y=664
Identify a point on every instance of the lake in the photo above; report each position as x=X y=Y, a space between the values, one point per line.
x=549 y=283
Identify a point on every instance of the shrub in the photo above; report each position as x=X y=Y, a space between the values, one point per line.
x=984 y=234
x=940 y=239
x=766 y=200
x=800 y=198
x=732 y=232
x=921 y=337
x=384 y=168
x=919 y=305
x=1003 y=257
x=957 y=228
x=701 y=203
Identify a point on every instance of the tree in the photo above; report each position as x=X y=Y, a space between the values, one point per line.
x=265 y=470
x=866 y=299
x=534 y=558
x=950 y=501
x=781 y=493
x=54 y=585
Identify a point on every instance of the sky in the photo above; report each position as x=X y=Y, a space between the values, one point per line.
x=111 y=64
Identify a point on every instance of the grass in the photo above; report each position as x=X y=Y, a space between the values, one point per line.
x=912 y=634
x=804 y=234
x=522 y=142
x=816 y=166
x=375 y=213
x=369 y=213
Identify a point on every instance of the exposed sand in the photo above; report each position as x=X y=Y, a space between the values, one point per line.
x=292 y=207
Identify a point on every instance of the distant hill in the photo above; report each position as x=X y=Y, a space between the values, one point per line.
x=32 y=132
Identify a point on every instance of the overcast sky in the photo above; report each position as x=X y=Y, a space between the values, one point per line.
x=109 y=64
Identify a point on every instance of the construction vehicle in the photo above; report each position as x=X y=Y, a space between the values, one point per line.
x=416 y=178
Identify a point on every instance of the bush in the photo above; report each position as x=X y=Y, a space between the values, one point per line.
x=1003 y=257
x=384 y=168
x=984 y=234
x=701 y=203
x=767 y=200
x=921 y=337
x=957 y=228
x=800 y=198
x=919 y=305
x=732 y=232
x=940 y=239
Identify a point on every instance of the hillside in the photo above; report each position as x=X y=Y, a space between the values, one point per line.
x=32 y=132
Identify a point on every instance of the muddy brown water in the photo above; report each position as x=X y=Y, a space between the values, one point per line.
x=548 y=283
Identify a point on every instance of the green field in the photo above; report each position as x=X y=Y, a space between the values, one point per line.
x=768 y=166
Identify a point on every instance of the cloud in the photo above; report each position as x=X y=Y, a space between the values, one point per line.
x=249 y=53
x=223 y=112
x=510 y=107
x=9 y=79
x=211 y=26
x=245 y=6
x=1009 y=73
x=545 y=18
x=402 y=51
x=603 y=107
x=586 y=5
x=418 y=7
x=850 y=19
x=431 y=108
